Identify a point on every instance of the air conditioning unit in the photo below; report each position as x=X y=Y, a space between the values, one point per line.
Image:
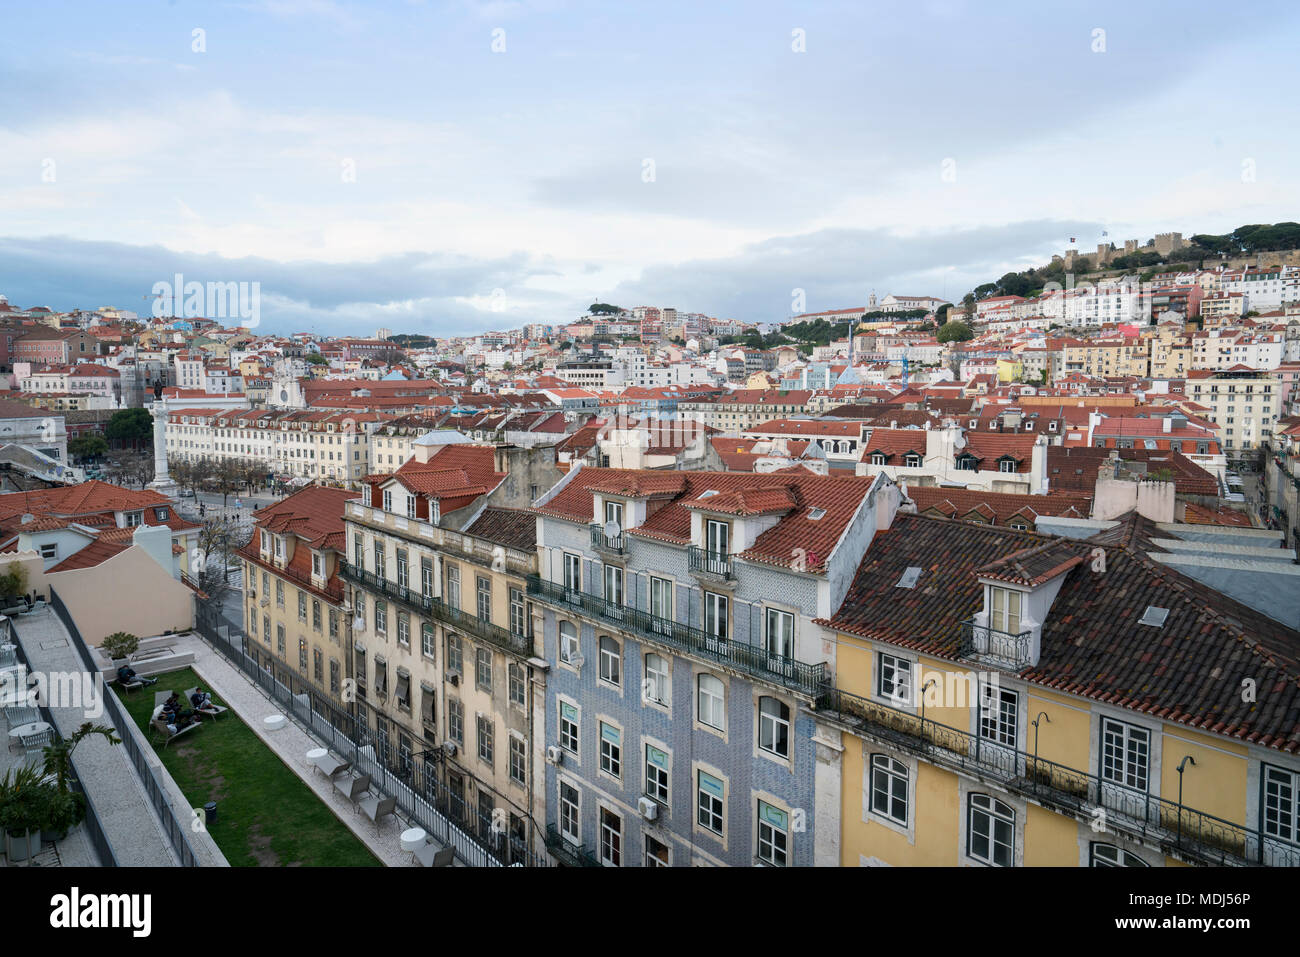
x=453 y=679
x=266 y=602
x=648 y=808
x=554 y=755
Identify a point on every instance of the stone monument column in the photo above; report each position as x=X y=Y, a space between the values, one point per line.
x=162 y=482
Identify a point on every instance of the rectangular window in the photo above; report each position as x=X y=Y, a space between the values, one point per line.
x=484 y=590
x=279 y=592
x=780 y=633
x=1005 y=612
x=483 y=668
x=570 y=808
x=656 y=773
x=518 y=774
x=315 y=614
x=990 y=831
x=485 y=736
x=717 y=538
x=611 y=838
x=568 y=727
x=611 y=661
x=1281 y=804
x=711 y=796
x=515 y=680
x=611 y=750
x=403 y=568
x=661 y=598
x=715 y=616
x=572 y=572
x=773 y=834
x=381 y=617
x=380 y=565
x=403 y=629
x=613 y=584
x=452 y=592
x=999 y=712
x=455 y=655
x=1125 y=754
x=456 y=721
x=894 y=678
x=656 y=852
x=518 y=615
x=426 y=576
x=302 y=655
x=426 y=639
x=334 y=676
x=317 y=665
x=279 y=640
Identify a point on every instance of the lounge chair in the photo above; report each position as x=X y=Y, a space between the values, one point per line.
x=332 y=764
x=432 y=856
x=352 y=788
x=160 y=698
x=213 y=711
x=377 y=808
x=159 y=724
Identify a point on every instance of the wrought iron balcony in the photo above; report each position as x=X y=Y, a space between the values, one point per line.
x=1196 y=835
x=567 y=852
x=1000 y=649
x=462 y=621
x=711 y=563
x=751 y=659
x=609 y=543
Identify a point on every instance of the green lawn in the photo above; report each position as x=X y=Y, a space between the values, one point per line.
x=266 y=815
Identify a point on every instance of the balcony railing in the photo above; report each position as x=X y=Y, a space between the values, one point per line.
x=568 y=852
x=462 y=621
x=711 y=563
x=1198 y=836
x=610 y=543
x=750 y=659
x=334 y=590
x=998 y=648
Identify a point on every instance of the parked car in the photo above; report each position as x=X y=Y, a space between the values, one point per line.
x=186 y=493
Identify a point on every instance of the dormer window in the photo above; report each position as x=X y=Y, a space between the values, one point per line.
x=388 y=500
x=134 y=518
x=912 y=460
x=410 y=506
x=279 y=548
x=966 y=462
x=1007 y=465
x=435 y=511
x=877 y=458
x=1004 y=609
x=717 y=537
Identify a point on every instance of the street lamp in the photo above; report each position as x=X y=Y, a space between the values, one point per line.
x=1181 y=765
x=1042 y=716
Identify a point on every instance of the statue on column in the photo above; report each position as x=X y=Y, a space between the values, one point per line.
x=162 y=482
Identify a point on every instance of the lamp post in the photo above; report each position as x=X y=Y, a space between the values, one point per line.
x=925 y=687
x=1042 y=716
x=1181 y=765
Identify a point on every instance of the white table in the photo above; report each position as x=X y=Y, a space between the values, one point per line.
x=273 y=722
x=413 y=839
x=314 y=755
x=36 y=727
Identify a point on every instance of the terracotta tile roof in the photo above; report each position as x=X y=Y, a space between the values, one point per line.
x=93 y=554
x=1001 y=506
x=1034 y=565
x=839 y=497
x=314 y=513
x=1074 y=468
x=893 y=444
x=512 y=527
x=1187 y=671
x=988 y=448
x=455 y=475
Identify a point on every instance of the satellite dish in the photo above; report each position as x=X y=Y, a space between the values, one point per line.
x=613 y=529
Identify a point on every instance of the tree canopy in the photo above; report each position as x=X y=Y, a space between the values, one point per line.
x=130 y=424
x=955 y=331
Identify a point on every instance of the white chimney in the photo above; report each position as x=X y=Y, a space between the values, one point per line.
x=1169 y=423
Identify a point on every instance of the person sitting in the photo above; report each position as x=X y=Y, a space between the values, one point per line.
x=178 y=716
x=126 y=674
x=201 y=700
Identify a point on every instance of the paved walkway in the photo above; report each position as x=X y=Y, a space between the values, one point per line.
x=106 y=773
x=291 y=744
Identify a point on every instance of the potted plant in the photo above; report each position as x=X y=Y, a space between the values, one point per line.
x=64 y=808
x=120 y=645
x=21 y=808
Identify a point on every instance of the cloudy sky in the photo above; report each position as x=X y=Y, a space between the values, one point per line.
x=453 y=167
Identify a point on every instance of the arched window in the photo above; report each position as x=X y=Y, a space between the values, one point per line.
x=712 y=703
x=774 y=726
x=990 y=831
x=611 y=661
x=889 y=788
x=1108 y=855
x=568 y=641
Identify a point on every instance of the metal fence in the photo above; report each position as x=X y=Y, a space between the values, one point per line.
x=91 y=822
x=177 y=831
x=423 y=783
x=1199 y=835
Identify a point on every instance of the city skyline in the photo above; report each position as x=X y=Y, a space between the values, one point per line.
x=452 y=168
